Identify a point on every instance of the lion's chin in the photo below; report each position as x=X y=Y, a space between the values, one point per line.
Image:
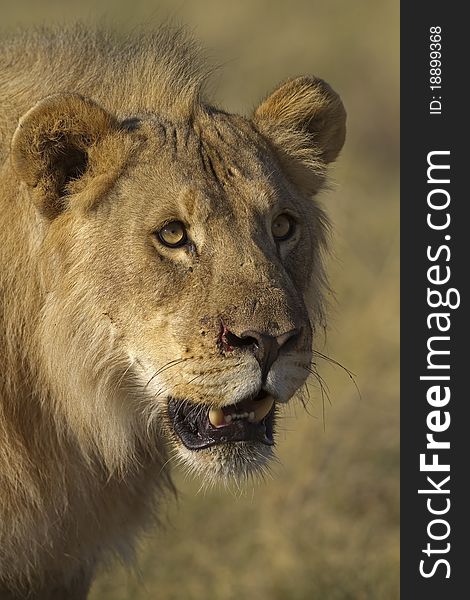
x=233 y=462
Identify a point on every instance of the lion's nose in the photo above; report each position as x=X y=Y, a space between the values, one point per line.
x=265 y=347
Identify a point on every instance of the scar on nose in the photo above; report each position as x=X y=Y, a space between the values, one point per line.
x=222 y=341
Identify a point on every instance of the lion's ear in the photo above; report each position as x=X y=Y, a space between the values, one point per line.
x=305 y=121
x=51 y=145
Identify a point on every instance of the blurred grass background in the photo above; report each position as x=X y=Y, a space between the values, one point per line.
x=325 y=527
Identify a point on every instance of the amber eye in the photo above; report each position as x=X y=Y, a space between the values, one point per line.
x=282 y=227
x=173 y=234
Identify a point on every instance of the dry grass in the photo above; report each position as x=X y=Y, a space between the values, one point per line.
x=325 y=527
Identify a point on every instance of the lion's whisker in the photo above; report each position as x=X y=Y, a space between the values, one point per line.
x=168 y=365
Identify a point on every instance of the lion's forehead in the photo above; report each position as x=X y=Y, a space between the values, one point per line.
x=215 y=169
x=220 y=152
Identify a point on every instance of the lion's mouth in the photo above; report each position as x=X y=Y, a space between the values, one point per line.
x=201 y=427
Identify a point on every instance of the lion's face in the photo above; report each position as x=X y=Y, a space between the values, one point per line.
x=184 y=264
x=218 y=331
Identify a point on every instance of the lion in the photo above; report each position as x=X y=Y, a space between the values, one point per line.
x=161 y=283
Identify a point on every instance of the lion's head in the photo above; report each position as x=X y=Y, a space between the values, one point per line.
x=177 y=254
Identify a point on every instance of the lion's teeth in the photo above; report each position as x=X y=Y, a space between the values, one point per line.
x=216 y=417
x=262 y=408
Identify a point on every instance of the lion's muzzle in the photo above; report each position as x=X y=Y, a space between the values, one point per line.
x=265 y=347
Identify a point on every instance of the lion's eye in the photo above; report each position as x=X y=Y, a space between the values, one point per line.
x=173 y=234
x=282 y=227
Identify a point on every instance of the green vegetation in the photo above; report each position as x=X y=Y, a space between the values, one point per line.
x=325 y=526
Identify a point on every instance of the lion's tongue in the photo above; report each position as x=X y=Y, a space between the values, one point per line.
x=252 y=410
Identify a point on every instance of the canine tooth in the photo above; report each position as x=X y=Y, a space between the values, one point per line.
x=228 y=418
x=262 y=408
x=216 y=417
x=251 y=417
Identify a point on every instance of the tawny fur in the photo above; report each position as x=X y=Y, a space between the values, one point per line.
x=91 y=313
